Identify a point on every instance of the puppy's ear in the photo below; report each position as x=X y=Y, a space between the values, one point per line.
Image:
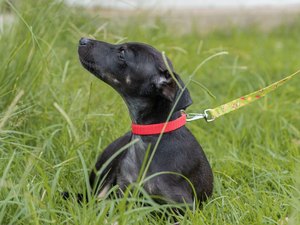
x=166 y=86
x=185 y=99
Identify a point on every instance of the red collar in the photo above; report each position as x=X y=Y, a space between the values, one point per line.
x=158 y=128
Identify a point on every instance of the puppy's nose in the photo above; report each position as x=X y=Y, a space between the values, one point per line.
x=84 y=41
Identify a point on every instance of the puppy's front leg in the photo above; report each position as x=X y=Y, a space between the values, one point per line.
x=108 y=175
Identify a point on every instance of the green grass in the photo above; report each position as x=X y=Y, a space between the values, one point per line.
x=55 y=118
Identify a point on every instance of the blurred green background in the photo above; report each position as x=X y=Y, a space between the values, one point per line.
x=55 y=117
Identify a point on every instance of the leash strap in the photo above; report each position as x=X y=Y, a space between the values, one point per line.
x=211 y=114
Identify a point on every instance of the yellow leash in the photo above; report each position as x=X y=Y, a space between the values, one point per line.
x=211 y=114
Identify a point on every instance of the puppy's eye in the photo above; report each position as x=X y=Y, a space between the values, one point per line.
x=122 y=54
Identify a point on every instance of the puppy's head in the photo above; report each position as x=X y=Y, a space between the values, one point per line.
x=133 y=69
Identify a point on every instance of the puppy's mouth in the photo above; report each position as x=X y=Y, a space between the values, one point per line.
x=91 y=67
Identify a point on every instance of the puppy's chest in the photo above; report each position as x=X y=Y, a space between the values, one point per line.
x=130 y=165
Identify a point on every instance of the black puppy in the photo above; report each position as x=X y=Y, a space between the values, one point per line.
x=138 y=73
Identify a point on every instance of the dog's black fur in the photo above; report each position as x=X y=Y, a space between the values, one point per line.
x=138 y=73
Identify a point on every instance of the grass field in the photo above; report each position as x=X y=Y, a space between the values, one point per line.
x=55 y=118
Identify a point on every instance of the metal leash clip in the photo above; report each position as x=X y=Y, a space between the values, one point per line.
x=196 y=116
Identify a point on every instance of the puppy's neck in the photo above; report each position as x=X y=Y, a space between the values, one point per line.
x=149 y=111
